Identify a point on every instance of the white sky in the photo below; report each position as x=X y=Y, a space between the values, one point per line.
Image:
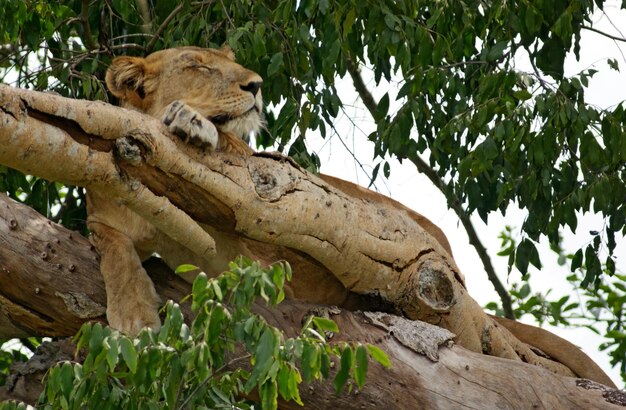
x=606 y=89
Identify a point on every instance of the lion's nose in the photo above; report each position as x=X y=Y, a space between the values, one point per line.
x=252 y=86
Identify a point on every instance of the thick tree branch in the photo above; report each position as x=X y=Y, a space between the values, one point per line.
x=345 y=246
x=427 y=371
x=424 y=168
x=472 y=235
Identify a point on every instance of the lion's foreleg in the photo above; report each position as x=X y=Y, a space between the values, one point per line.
x=132 y=302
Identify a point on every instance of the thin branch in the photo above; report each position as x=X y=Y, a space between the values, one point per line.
x=163 y=26
x=227 y=15
x=144 y=11
x=208 y=379
x=424 y=168
x=602 y=33
x=360 y=87
x=84 y=20
x=168 y=20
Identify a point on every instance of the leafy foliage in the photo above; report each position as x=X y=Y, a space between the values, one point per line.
x=203 y=365
x=495 y=134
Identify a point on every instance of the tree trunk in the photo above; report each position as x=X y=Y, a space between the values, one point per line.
x=334 y=241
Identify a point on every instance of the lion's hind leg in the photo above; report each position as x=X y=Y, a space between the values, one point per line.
x=132 y=302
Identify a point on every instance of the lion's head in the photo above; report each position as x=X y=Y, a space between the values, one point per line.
x=208 y=80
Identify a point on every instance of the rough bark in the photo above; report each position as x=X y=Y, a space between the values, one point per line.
x=428 y=370
x=372 y=250
x=275 y=208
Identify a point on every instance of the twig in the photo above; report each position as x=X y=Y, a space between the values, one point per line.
x=145 y=15
x=360 y=87
x=602 y=33
x=424 y=168
x=211 y=376
x=168 y=20
x=84 y=20
x=163 y=26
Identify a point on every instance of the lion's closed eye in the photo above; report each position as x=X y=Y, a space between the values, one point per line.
x=208 y=68
x=202 y=67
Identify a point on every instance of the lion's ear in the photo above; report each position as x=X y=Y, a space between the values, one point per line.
x=125 y=78
x=228 y=52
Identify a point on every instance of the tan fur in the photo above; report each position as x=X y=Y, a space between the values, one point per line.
x=557 y=349
x=211 y=83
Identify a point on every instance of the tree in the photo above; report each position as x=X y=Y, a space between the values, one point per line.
x=464 y=103
x=438 y=293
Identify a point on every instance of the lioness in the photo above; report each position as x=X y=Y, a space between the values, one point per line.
x=206 y=98
x=199 y=93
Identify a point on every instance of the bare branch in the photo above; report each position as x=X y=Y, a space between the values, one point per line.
x=144 y=10
x=84 y=20
x=602 y=33
x=163 y=26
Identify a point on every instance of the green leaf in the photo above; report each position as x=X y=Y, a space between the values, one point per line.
x=276 y=64
x=217 y=290
x=283 y=382
x=551 y=56
x=374 y=175
x=309 y=361
x=610 y=265
x=341 y=378
x=325 y=325
x=112 y=353
x=379 y=355
x=526 y=253
x=128 y=353
x=294 y=380
x=199 y=291
x=495 y=52
x=185 y=268
x=269 y=395
x=383 y=108
x=95 y=339
x=66 y=378
x=522 y=95
x=361 y=366
x=577 y=260
x=264 y=359
x=348 y=22
x=524 y=291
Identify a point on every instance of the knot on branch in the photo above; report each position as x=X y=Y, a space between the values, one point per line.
x=136 y=147
x=129 y=150
x=268 y=183
x=432 y=292
x=434 y=287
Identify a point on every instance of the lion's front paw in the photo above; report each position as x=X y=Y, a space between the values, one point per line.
x=190 y=125
x=130 y=316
